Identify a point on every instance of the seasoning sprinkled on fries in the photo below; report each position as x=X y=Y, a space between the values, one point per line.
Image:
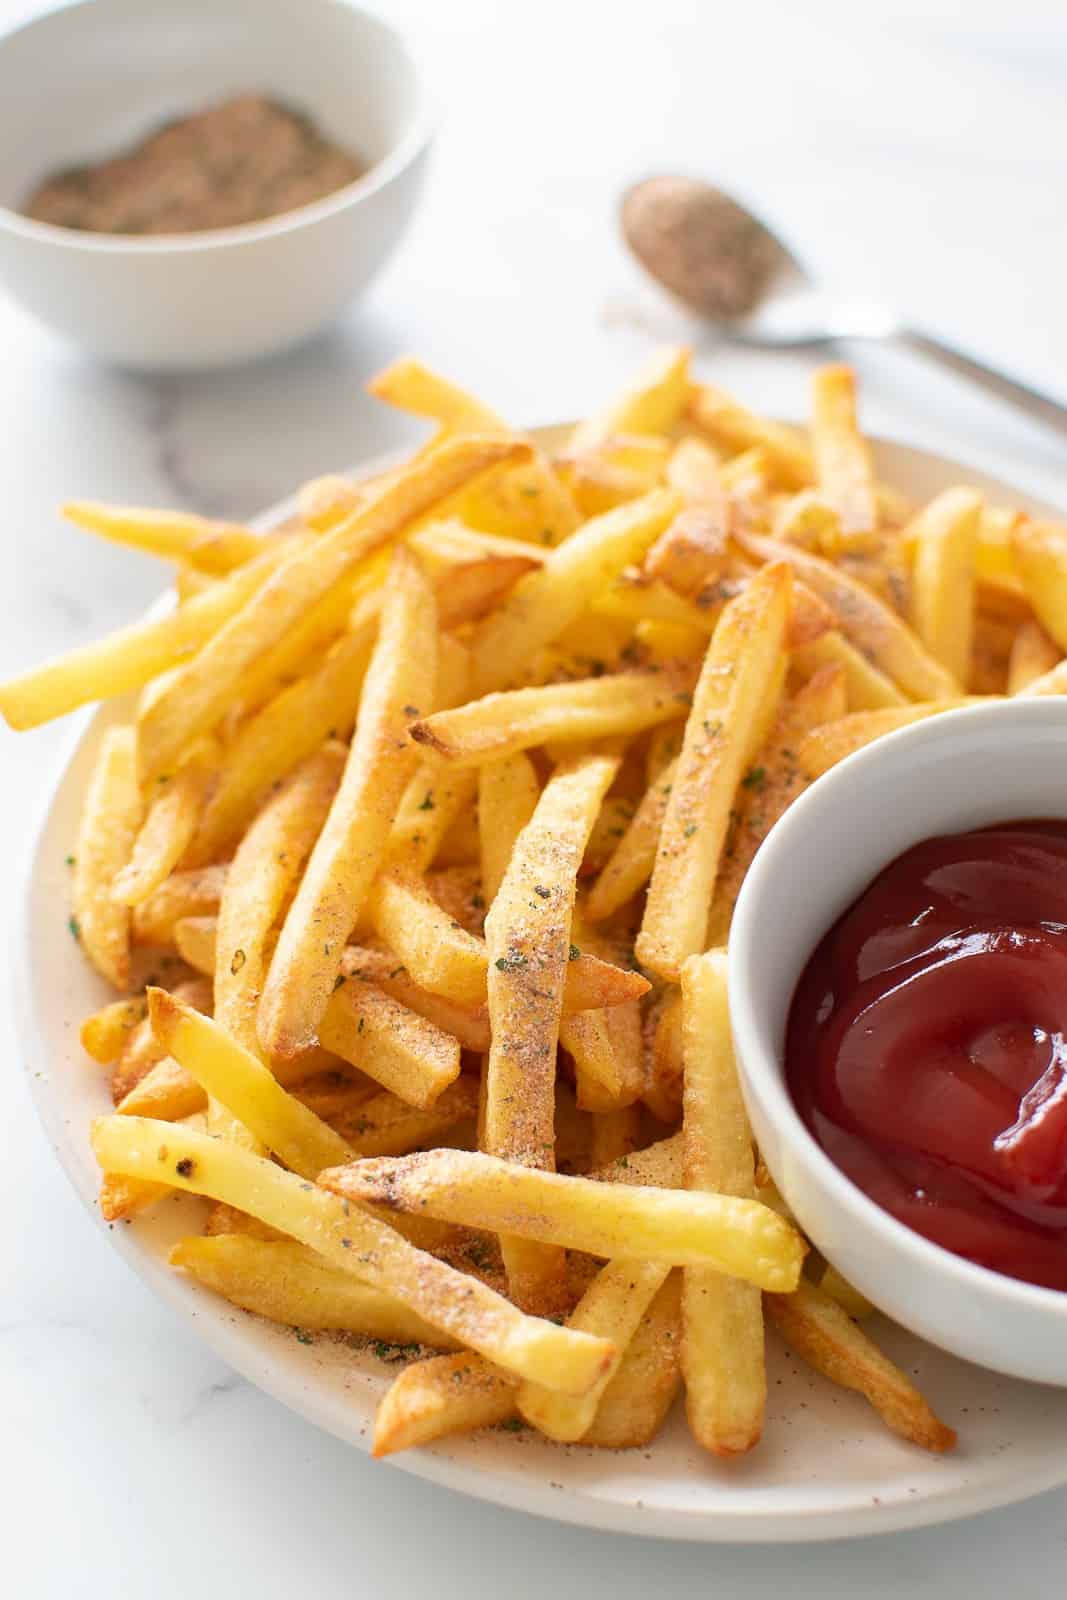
x=412 y=869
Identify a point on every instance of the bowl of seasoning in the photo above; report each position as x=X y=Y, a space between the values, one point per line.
x=898 y=969
x=192 y=183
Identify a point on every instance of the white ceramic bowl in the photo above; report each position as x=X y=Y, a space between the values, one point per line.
x=966 y=769
x=89 y=80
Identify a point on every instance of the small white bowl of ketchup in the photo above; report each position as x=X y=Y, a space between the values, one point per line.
x=898 y=971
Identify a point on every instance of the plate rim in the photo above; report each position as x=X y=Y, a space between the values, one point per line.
x=543 y=1499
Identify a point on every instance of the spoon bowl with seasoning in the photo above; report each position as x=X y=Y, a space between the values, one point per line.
x=724 y=263
x=898 y=1015
x=226 y=178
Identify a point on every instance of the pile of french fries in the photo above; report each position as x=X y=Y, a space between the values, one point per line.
x=413 y=867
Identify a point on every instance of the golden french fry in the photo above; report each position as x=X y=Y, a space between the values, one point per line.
x=807 y=519
x=468 y=1024
x=410 y=386
x=843 y=469
x=826 y=746
x=663 y=1094
x=651 y=405
x=722 y=1318
x=634 y=597
x=770 y=787
x=868 y=689
x=944 y=536
x=106 y=834
x=352 y=843
x=635 y=1403
x=591 y=708
x=730 y=424
x=741 y=1237
x=384 y=1125
x=286 y=1282
x=250 y=1092
x=508 y=792
x=214 y=547
x=196 y=940
x=692 y=550
x=865 y=619
x=529 y=949
x=1033 y=654
x=195 y=893
x=104 y=1033
x=199 y=695
x=141 y=1051
x=630 y=864
x=821 y=1332
x=1040 y=552
x=447 y=1394
x=168 y=828
x=846 y=1294
x=545 y=602
x=615 y=1134
x=130 y=658
x=739 y=677
x=438 y=954
x=358 y=1243
x=398 y=1048
x=693 y=469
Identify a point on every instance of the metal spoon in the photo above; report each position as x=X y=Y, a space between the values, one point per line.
x=725 y=264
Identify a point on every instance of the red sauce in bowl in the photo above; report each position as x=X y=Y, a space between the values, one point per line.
x=927 y=1045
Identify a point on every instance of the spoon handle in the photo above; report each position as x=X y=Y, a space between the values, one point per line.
x=1036 y=404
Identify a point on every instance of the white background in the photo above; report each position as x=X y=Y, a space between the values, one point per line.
x=914 y=151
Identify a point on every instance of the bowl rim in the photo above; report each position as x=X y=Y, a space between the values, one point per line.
x=762 y=1070
x=407 y=149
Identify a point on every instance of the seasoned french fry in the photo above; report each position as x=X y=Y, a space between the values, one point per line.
x=826 y=746
x=615 y=1134
x=447 y=1394
x=196 y=941
x=508 y=792
x=168 y=828
x=215 y=547
x=591 y=708
x=868 y=689
x=358 y=1243
x=807 y=519
x=722 y=1317
x=351 y=845
x=663 y=1094
x=741 y=1237
x=410 y=386
x=544 y=602
x=1040 y=552
x=195 y=893
x=104 y=1032
x=106 y=835
x=692 y=551
x=630 y=864
x=739 y=677
x=635 y=1403
x=438 y=954
x=1033 y=654
x=820 y=1331
x=944 y=536
x=730 y=424
x=286 y=1282
x=130 y=658
x=529 y=950
x=385 y=1125
x=693 y=469
x=398 y=1048
x=468 y=1024
x=843 y=470
x=250 y=1092
x=651 y=405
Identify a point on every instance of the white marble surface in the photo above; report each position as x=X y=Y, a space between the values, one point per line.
x=915 y=150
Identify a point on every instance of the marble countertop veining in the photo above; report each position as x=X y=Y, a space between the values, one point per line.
x=912 y=151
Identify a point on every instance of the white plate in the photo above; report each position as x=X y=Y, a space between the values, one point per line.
x=826 y=1467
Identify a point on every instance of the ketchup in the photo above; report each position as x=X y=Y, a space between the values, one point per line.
x=927 y=1045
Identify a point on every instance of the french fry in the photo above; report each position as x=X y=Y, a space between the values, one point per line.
x=692 y=550
x=1033 y=654
x=731 y=425
x=285 y=732
x=826 y=746
x=591 y=708
x=195 y=893
x=846 y=1294
x=770 y=788
x=651 y=405
x=398 y=1048
x=446 y=1394
x=693 y=469
x=630 y=865
x=807 y=519
x=168 y=827
x=351 y=845
x=197 y=699
x=168 y=1092
x=385 y=1125
x=825 y=1336
x=508 y=792
x=635 y=1403
x=529 y=950
x=545 y=602
x=634 y=597
x=104 y=1032
x=663 y=1094
x=1040 y=552
x=106 y=835
x=358 y=1243
x=865 y=619
x=130 y=658
x=722 y=1318
x=468 y=1024
x=196 y=941
x=944 y=536
x=250 y=1092
x=215 y=547
x=867 y=688
x=740 y=675
x=142 y=1055
x=410 y=386
x=740 y=1237
x=843 y=470
x=286 y=1282
x=615 y=1134
x=438 y=954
